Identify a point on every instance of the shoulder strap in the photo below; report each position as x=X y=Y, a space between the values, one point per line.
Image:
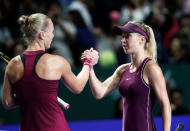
x=144 y=63
x=143 y=66
x=37 y=58
x=22 y=56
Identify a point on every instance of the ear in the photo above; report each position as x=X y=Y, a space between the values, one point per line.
x=143 y=40
x=42 y=35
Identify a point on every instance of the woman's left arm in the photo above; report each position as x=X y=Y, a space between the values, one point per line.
x=7 y=96
x=157 y=82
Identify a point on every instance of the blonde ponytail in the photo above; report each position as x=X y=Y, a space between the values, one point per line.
x=150 y=46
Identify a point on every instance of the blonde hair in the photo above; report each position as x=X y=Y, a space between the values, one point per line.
x=32 y=25
x=150 y=46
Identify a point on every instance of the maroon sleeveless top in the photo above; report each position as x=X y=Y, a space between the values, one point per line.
x=37 y=99
x=138 y=100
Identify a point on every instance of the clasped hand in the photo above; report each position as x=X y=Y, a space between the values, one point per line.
x=90 y=54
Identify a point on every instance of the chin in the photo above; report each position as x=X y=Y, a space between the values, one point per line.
x=126 y=51
x=47 y=47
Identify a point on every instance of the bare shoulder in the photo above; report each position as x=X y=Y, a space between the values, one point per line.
x=155 y=76
x=153 y=69
x=115 y=78
x=15 y=69
x=121 y=68
x=15 y=64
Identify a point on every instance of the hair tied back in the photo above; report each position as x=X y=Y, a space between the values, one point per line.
x=27 y=20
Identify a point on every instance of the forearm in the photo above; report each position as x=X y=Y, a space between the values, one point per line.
x=82 y=77
x=166 y=117
x=7 y=95
x=8 y=100
x=96 y=86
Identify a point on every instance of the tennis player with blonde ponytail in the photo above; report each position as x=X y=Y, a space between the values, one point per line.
x=140 y=82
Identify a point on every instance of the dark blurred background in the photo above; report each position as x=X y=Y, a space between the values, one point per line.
x=81 y=24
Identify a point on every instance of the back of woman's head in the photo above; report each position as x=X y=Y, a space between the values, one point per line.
x=150 y=45
x=32 y=25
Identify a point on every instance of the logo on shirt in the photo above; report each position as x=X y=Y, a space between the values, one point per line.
x=128 y=79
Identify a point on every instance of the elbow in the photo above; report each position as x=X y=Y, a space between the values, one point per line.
x=97 y=93
x=75 y=89
x=166 y=106
x=98 y=96
x=78 y=90
x=6 y=104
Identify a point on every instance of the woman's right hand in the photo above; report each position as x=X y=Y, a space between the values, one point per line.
x=92 y=55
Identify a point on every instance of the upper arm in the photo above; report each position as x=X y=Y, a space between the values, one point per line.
x=157 y=82
x=11 y=75
x=68 y=77
x=112 y=82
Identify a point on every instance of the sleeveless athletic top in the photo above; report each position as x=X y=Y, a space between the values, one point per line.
x=37 y=99
x=138 y=100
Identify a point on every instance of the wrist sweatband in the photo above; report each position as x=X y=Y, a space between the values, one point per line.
x=88 y=62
